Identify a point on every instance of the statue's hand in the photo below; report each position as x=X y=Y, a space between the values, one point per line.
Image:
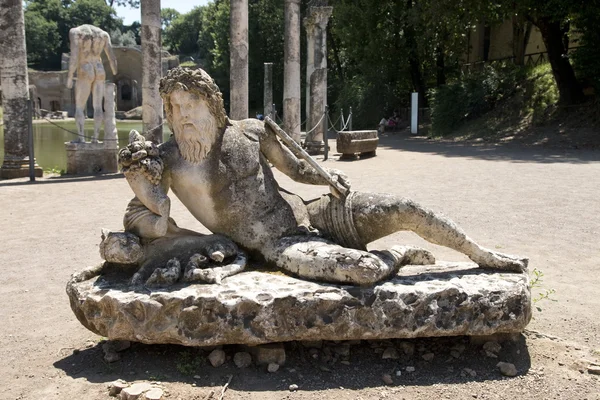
x=141 y=157
x=341 y=178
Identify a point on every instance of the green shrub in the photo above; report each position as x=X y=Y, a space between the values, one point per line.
x=530 y=91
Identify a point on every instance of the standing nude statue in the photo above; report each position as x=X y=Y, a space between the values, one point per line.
x=87 y=44
x=219 y=169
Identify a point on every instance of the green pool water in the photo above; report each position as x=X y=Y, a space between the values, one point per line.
x=49 y=140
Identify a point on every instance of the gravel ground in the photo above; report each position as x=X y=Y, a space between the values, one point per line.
x=533 y=201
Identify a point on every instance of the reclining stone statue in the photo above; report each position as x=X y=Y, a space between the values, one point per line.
x=219 y=169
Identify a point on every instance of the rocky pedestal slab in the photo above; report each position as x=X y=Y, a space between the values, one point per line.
x=257 y=307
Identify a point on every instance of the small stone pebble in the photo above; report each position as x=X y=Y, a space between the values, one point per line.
x=387 y=379
x=398 y=373
x=470 y=372
x=390 y=354
x=408 y=348
x=492 y=347
x=242 y=359
x=410 y=369
x=455 y=354
x=153 y=394
x=217 y=357
x=507 y=369
x=293 y=387
x=114 y=388
x=428 y=356
x=273 y=367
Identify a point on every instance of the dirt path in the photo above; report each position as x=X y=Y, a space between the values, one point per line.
x=540 y=203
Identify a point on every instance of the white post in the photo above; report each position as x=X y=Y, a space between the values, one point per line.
x=414 y=113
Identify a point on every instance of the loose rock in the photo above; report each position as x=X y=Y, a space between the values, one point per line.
x=387 y=379
x=242 y=359
x=492 y=347
x=272 y=367
x=428 y=356
x=470 y=372
x=134 y=391
x=114 y=388
x=293 y=387
x=507 y=369
x=269 y=353
x=390 y=354
x=217 y=357
x=408 y=348
x=153 y=394
x=410 y=369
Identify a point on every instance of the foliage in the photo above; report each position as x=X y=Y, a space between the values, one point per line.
x=587 y=56
x=532 y=91
x=536 y=283
x=181 y=33
x=188 y=362
x=167 y=16
x=55 y=18
x=126 y=39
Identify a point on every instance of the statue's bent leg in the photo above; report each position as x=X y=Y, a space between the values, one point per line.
x=322 y=260
x=378 y=215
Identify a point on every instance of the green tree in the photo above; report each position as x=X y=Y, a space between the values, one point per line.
x=181 y=35
x=43 y=38
x=167 y=15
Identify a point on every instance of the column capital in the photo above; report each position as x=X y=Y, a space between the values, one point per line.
x=319 y=16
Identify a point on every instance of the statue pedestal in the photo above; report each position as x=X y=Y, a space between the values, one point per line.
x=18 y=167
x=91 y=158
x=448 y=299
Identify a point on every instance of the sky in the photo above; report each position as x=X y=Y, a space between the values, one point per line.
x=130 y=15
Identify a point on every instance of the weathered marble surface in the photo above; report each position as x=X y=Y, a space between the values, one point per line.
x=256 y=307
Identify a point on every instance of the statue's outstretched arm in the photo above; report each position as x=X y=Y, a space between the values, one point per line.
x=112 y=60
x=74 y=57
x=287 y=162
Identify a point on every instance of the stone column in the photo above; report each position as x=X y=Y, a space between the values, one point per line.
x=110 y=122
x=238 y=72
x=319 y=17
x=268 y=90
x=309 y=25
x=291 y=70
x=15 y=91
x=152 y=111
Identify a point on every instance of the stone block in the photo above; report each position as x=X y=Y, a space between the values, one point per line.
x=91 y=159
x=256 y=307
x=350 y=143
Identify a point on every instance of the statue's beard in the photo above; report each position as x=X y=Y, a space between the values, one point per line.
x=194 y=146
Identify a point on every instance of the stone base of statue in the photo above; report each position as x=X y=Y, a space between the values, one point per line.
x=91 y=158
x=13 y=167
x=314 y=147
x=256 y=307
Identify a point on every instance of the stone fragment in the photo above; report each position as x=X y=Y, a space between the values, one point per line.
x=390 y=353
x=253 y=308
x=120 y=247
x=293 y=387
x=408 y=348
x=471 y=372
x=153 y=394
x=272 y=367
x=111 y=356
x=507 y=369
x=134 y=391
x=342 y=350
x=387 y=379
x=269 y=353
x=455 y=353
x=217 y=357
x=428 y=356
x=492 y=348
x=114 y=388
x=242 y=359
x=410 y=369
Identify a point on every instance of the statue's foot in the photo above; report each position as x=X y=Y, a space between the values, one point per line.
x=411 y=255
x=495 y=260
x=165 y=276
x=78 y=140
x=197 y=270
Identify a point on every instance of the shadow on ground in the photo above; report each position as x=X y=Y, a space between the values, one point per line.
x=456 y=360
x=61 y=179
x=488 y=151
